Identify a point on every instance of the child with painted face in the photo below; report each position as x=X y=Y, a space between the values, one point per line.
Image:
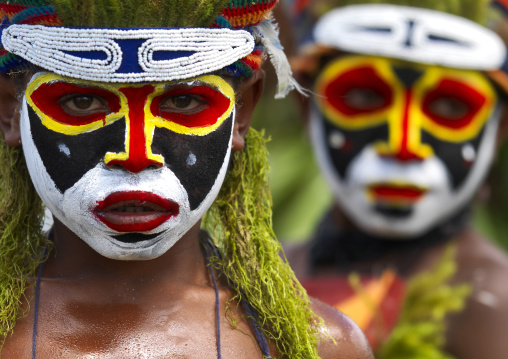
x=404 y=119
x=133 y=124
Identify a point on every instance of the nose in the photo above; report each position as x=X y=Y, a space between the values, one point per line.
x=404 y=142
x=138 y=153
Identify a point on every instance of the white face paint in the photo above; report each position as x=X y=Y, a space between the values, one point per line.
x=439 y=202
x=404 y=146
x=79 y=206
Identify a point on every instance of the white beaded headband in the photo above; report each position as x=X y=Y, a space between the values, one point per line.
x=413 y=34
x=128 y=55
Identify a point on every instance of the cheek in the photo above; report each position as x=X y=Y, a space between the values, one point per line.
x=195 y=160
x=68 y=158
x=458 y=158
x=344 y=145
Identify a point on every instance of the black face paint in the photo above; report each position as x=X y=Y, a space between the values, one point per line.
x=68 y=158
x=451 y=155
x=195 y=160
x=355 y=142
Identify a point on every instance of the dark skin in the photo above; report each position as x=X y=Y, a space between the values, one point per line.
x=476 y=332
x=160 y=308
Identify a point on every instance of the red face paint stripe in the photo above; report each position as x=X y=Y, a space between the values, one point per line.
x=363 y=78
x=398 y=192
x=139 y=196
x=137 y=151
x=213 y=106
x=404 y=153
x=461 y=92
x=47 y=97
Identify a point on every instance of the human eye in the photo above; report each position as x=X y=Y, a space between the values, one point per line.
x=448 y=108
x=185 y=103
x=83 y=104
x=364 y=99
x=453 y=103
x=194 y=105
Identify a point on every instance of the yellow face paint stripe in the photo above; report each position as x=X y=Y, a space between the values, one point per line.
x=72 y=130
x=150 y=121
x=475 y=80
x=394 y=116
x=331 y=72
x=215 y=82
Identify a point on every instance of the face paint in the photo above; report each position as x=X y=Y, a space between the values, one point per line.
x=402 y=145
x=128 y=168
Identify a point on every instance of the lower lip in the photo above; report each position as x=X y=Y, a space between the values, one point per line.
x=135 y=221
x=397 y=194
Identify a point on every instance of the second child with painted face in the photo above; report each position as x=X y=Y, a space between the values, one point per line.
x=404 y=118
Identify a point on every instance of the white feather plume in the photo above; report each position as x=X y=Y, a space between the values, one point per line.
x=268 y=32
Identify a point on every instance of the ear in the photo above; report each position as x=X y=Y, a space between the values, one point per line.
x=502 y=132
x=9 y=111
x=250 y=91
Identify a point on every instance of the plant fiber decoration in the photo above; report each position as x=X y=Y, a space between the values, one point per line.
x=240 y=222
x=22 y=242
x=420 y=332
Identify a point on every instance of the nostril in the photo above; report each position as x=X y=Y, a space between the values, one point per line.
x=134 y=165
x=153 y=167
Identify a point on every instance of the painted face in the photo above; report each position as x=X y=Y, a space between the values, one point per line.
x=402 y=145
x=128 y=168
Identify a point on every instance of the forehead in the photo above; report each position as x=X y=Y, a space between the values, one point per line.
x=334 y=65
x=213 y=80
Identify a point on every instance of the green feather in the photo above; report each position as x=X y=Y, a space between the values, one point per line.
x=138 y=13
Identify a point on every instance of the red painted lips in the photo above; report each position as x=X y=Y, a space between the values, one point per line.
x=401 y=194
x=135 y=211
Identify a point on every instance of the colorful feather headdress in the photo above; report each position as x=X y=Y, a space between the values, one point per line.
x=139 y=40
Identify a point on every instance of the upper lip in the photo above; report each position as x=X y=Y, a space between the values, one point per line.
x=397 y=191
x=135 y=211
x=138 y=199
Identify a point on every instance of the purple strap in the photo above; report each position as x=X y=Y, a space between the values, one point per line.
x=263 y=344
x=36 y=307
x=217 y=303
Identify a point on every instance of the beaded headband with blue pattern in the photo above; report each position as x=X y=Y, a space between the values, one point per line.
x=33 y=35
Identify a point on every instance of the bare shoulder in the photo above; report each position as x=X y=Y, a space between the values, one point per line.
x=479 y=330
x=482 y=264
x=350 y=342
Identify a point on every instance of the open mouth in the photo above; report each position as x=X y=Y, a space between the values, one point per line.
x=135 y=211
x=395 y=194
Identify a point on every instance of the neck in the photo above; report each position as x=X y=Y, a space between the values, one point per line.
x=338 y=244
x=74 y=259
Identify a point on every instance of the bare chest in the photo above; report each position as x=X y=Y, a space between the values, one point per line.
x=67 y=326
